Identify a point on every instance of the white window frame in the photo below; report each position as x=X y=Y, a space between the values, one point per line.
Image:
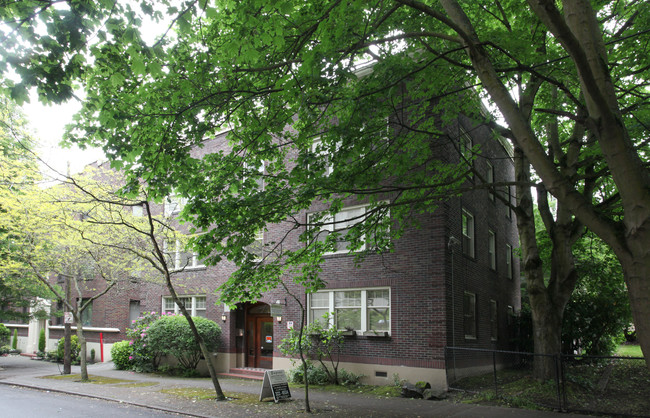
x=174 y=204
x=260 y=169
x=324 y=153
x=509 y=274
x=509 y=207
x=494 y=320
x=339 y=219
x=466 y=146
x=492 y=250
x=137 y=211
x=468 y=231
x=259 y=238
x=364 y=308
x=510 y=312
x=489 y=177
x=468 y=317
x=176 y=257
x=196 y=301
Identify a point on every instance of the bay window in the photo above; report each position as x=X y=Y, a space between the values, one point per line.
x=362 y=310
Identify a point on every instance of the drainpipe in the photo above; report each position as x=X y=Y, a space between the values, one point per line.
x=453 y=241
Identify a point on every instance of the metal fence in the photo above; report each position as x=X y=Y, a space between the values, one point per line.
x=603 y=385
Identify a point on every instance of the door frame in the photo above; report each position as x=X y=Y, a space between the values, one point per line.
x=253 y=355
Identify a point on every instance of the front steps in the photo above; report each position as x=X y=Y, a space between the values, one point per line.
x=250 y=373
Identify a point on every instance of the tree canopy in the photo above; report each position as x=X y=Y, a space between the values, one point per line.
x=294 y=81
x=17 y=168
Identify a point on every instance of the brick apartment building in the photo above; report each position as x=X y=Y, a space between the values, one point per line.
x=454 y=281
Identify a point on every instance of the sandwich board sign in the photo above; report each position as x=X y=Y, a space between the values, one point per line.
x=275 y=384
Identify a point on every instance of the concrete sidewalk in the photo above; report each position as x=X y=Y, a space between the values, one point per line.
x=146 y=390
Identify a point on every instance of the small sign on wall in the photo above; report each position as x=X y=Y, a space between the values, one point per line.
x=67 y=318
x=289 y=324
x=269 y=339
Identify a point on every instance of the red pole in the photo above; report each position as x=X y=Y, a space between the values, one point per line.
x=101 y=345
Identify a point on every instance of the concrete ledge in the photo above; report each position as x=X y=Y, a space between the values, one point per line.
x=89 y=329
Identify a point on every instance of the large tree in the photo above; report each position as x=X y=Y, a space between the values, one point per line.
x=18 y=167
x=569 y=79
x=55 y=234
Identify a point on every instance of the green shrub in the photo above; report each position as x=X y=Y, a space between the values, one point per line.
x=14 y=343
x=171 y=335
x=145 y=357
x=347 y=378
x=92 y=355
x=4 y=335
x=121 y=352
x=315 y=375
x=75 y=348
x=41 y=341
x=321 y=344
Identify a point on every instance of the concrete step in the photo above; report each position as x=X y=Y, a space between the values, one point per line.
x=250 y=373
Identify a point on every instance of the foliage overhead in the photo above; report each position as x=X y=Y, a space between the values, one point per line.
x=18 y=168
x=334 y=71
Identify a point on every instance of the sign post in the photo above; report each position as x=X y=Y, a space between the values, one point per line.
x=275 y=384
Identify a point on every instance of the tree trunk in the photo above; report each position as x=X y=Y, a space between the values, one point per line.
x=636 y=271
x=547 y=329
x=204 y=349
x=82 y=352
x=305 y=369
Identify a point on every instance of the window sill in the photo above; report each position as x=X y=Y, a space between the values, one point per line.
x=377 y=334
x=189 y=269
x=86 y=328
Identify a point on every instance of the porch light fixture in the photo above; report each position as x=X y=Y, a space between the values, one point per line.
x=278 y=318
x=224 y=317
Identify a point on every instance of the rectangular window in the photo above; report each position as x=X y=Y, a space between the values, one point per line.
x=324 y=155
x=378 y=309
x=489 y=178
x=466 y=154
x=492 y=254
x=174 y=205
x=256 y=172
x=341 y=224
x=362 y=310
x=508 y=261
x=257 y=247
x=494 y=323
x=180 y=259
x=319 y=307
x=86 y=314
x=134 y=311
x=347 y=309
x=58 y=319
x=509 y=197
x=468 y=233
x=195 y=305
x=469 y=315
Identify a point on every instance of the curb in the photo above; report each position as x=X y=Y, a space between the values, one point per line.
x=104 y=398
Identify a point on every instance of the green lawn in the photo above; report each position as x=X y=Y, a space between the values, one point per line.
x=629 y=350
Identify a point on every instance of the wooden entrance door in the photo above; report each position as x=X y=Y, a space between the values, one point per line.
x=259 y=342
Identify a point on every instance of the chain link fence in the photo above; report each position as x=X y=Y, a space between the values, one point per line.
x=604 y=385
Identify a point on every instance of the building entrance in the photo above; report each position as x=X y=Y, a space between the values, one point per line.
x=259 y=336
